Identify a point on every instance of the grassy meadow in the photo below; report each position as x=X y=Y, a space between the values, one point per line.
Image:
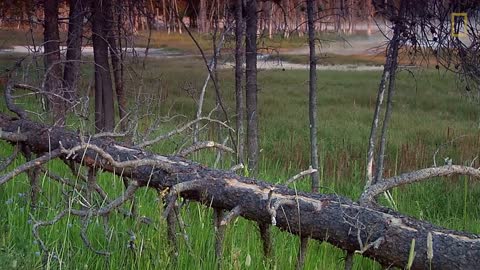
x=430 y=111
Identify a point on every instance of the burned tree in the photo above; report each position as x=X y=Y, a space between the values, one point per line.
x=53 y=67
x=239 y=98
x=71 y=70
x=312 y=96
x=251 y=84
x=104 y=110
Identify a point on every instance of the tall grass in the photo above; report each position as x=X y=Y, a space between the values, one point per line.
x=429 y=111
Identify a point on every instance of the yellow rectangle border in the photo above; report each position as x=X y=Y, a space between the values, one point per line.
x=465 y=21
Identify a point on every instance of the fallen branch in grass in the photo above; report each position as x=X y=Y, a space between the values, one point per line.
x=300 y=175
x=180 y=130
x=381 y=234
x=416 y=176
x=29 y=165
x=4 y=163
x=204 y=145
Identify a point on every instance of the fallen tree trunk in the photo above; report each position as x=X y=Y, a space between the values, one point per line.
x=381 y=234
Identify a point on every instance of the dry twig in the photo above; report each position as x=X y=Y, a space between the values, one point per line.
x=180 y=130
x=29 y=165
x=300 y=175
x=204 y=145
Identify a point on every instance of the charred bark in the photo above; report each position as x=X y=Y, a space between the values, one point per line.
x=114 y=42
x=74 y=47
x=104 y=110
x=251 y=84
x=239 y=99
x=374 y=232
x=312 y=96
x=53 y=68
x=202 y=17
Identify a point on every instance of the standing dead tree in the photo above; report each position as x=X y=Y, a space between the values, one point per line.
x=239 y=98
x=421 y=29
x=104 y=108
x=78 y=9
x=53 y=67
x=312 y=96
x=251 y=84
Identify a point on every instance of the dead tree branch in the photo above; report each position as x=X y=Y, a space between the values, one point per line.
x=300 y=175
x=180 y=130
x=204 y=145
x=29 y=165
x=416 y=176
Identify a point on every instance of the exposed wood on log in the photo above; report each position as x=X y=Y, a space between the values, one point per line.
x=379 y=233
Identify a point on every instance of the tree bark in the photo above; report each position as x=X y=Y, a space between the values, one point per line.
x=377 y=233
x=251 y=85
x=393 y=48
x=114 y=38
x=74 y=48
x=104 y=110
x=239 y=99
x=202 y=16
x=312 y=97
x=165 y=21
x=53 y=68
x=369 y=16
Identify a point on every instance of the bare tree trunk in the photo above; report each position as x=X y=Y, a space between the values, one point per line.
x=373 y=130
x=261 y=18
x=202 y=16
x=74 y=47
x=164 y=10
x=251 y=85
x=239 y=99
x=104 y=110
x=389 y=73
x=53 y=68
x=114 y=38
x=286 y=18
x=312 y=97
x=218 y=101
x=178 y=17
x=369 y=17
x=270 y=19
x=388 y=112
x=351 y=17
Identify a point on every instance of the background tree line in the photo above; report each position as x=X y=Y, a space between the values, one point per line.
x=275 y=17
x=109 y=24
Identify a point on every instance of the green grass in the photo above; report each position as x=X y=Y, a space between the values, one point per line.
x=331 y=59
x=429 y=111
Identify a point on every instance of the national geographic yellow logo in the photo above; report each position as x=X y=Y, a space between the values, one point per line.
x=459 y=22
